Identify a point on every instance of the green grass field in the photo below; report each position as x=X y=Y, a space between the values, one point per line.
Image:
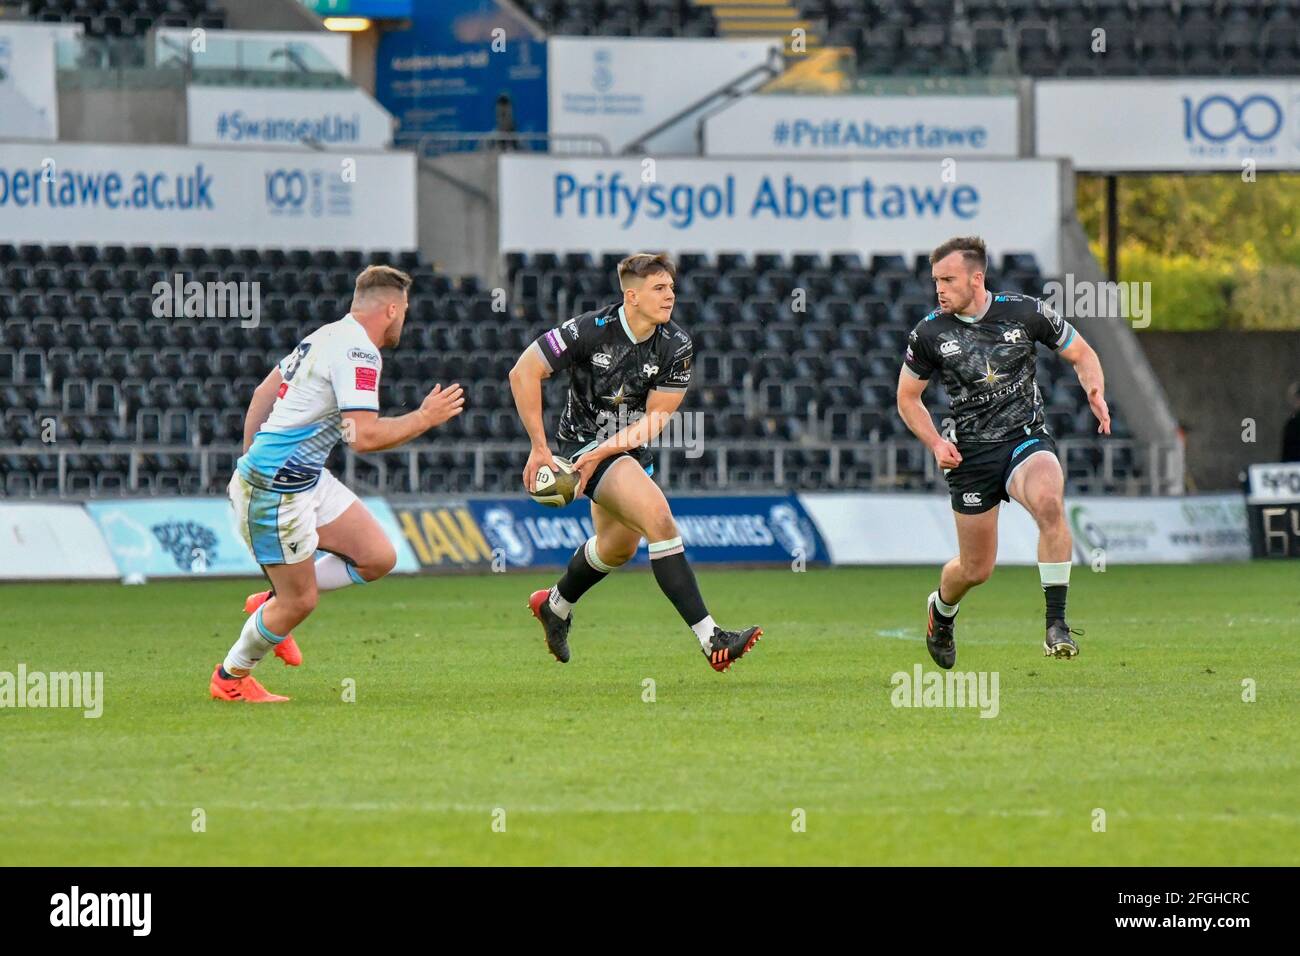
x=459 y=711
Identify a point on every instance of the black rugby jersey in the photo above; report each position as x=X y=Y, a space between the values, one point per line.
x=987 y=365
x=610 y=374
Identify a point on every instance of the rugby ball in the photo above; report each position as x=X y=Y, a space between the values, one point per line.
x=555 y=490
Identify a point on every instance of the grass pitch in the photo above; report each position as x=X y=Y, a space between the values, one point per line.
x=460 y=714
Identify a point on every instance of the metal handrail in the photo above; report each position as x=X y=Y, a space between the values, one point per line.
x=423 y=141
x=1162 y=472
x=729 y=90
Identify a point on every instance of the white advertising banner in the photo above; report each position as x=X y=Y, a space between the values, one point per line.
x=79 y=193
x=329 y=119
x=866 y=126
x=29 y=102
x=919 y=529
x=1182 y=124
x=622 y=87
x=713 y=205
x=46 y=541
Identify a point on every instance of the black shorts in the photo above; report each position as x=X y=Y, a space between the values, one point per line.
x=980 y=481
x=572 y=450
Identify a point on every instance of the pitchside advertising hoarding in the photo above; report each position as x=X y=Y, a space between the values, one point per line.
x=186 y=537
x=1182 y=124
x=620 y=88
x=919 y=529
x=865 y=126
x=317 y=119
x=75 y=193
x=712 y=205
x=504 y=533
x=51 y=541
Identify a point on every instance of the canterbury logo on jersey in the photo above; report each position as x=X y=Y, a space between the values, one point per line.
x=601 y=359
x=950 y=347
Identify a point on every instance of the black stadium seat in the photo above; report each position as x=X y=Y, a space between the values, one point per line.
x=100 y=362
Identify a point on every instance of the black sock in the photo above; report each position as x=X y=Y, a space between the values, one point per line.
x=943 y=618
x=579 y=577
x=1055 y=595
x=677 y=581
x=224 y=676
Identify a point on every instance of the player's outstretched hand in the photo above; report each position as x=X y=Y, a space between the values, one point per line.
x=1101 y=410
x=946 y=454
x=443 y=404
x=536 y=458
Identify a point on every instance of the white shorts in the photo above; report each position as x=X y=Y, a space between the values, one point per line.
x=281 y=528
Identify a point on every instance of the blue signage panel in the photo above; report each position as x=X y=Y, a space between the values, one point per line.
x=464 y=66
x=759 y=529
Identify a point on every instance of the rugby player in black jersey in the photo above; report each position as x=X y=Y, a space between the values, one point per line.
x=629 y=366
x=983 y=345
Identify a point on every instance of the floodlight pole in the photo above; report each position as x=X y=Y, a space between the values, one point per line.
x=1112 y=227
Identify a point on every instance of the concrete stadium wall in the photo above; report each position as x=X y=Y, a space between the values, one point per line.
x=157 y=115
x=1215 y=380
x=458 y=214
x=1131 y=383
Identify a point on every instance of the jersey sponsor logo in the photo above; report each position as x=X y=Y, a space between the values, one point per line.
x=1012 y=335
x=970 y=498
x=571 y=327
x=367 y=379
x=283 y=390
x=604 y=320
x=910 y=356
x=556 y=342
x=601 y=359
x=361 y=355
x=1023 y=445
x=949 y=348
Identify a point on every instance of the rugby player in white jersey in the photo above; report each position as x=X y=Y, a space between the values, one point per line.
x=307 y=531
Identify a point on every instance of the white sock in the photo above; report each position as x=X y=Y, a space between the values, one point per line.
x=1052 y=573
x=947 y=610
x=252 y=646
x=704 y=631
x=332 y=573
x=558 y=604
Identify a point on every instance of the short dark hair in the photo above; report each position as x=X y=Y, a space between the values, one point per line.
x=972 y=249
x=381 y=277
x=642 y=264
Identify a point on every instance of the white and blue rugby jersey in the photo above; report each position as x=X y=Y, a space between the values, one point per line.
x=333 y=370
